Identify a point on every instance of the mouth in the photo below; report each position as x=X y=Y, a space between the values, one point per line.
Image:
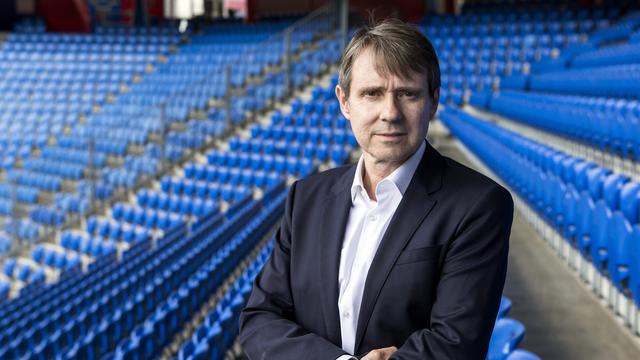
x=391 y=136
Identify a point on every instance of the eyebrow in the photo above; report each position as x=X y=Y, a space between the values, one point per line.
x=367 y=89
x=371 y=89
x=409 y=89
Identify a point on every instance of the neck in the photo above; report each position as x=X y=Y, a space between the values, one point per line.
x=374 y=171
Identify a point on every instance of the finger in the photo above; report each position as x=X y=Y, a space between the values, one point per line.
x=374 y=355
x=387 y=352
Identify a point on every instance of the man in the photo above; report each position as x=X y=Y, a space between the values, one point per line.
x=400 y=256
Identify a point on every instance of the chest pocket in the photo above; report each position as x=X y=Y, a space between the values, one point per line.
x=421 y=254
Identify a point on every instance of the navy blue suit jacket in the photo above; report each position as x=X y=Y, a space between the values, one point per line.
x=433 y=289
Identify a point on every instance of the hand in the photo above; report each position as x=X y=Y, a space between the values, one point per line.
x=380 y=354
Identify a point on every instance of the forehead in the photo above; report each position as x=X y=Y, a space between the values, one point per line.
x=372 y=69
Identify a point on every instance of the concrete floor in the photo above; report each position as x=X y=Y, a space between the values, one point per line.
x=563 y=319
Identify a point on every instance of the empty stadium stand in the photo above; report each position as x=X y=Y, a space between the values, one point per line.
x=198 y=219
x=144 y=170
x=561 y=133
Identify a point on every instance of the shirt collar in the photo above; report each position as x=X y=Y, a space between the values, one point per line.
x=400 y=177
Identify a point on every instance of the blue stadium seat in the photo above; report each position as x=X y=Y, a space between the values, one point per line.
x=520 y=354
x=505 y=307
x=506 y=336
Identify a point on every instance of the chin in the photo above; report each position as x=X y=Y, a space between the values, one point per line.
x=393 y=156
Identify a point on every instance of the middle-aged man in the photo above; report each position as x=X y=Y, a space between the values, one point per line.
x=400 y=256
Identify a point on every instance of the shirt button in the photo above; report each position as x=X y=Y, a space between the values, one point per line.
x=373 y=218
x=346 y=315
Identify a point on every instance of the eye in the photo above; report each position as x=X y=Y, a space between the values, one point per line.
x=408 y=94
x=371 y=93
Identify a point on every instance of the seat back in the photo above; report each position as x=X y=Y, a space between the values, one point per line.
x=506 y=336
x=505 y=307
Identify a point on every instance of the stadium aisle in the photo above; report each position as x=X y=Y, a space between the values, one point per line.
x=563 y=319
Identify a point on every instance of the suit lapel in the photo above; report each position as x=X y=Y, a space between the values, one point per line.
x=411 y=212
x=332 y=226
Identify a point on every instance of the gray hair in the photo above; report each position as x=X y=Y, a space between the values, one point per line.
x=399 y=49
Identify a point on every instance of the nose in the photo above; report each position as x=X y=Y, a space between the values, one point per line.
x=390 y=112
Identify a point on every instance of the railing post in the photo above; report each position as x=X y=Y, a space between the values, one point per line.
x=227 y=97
x=343 y=14
x=164 y=130
x=287 y=63
x=92 y=174
x=14 y=215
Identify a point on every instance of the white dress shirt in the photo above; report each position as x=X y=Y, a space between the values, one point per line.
x=368 y=221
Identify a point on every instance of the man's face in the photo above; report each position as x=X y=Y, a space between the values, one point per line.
x=389 y=114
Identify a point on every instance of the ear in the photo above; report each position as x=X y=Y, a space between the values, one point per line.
x=435 y=100
x=344 y=104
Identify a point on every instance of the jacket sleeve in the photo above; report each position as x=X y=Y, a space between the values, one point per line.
x=470 y=286
x=268 y=328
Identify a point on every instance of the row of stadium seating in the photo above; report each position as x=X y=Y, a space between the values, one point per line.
x=23 y=271
x=22 y=228
x=460 y=29
x=621 y=30
x=610 y=55
x=612 y=81
x=586 y=211
x=506 y=336
x=488 y=13
x=216 y=335
x=595 y=210
x=170 y=317
x=92 y=246
x=136 y=294
x=471 y=59
x=36 y=26
x=605 y=46
x=605 y=123
x=23 y=193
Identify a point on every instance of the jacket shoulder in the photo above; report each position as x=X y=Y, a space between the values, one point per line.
x=470 y=184
x=323 y=183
